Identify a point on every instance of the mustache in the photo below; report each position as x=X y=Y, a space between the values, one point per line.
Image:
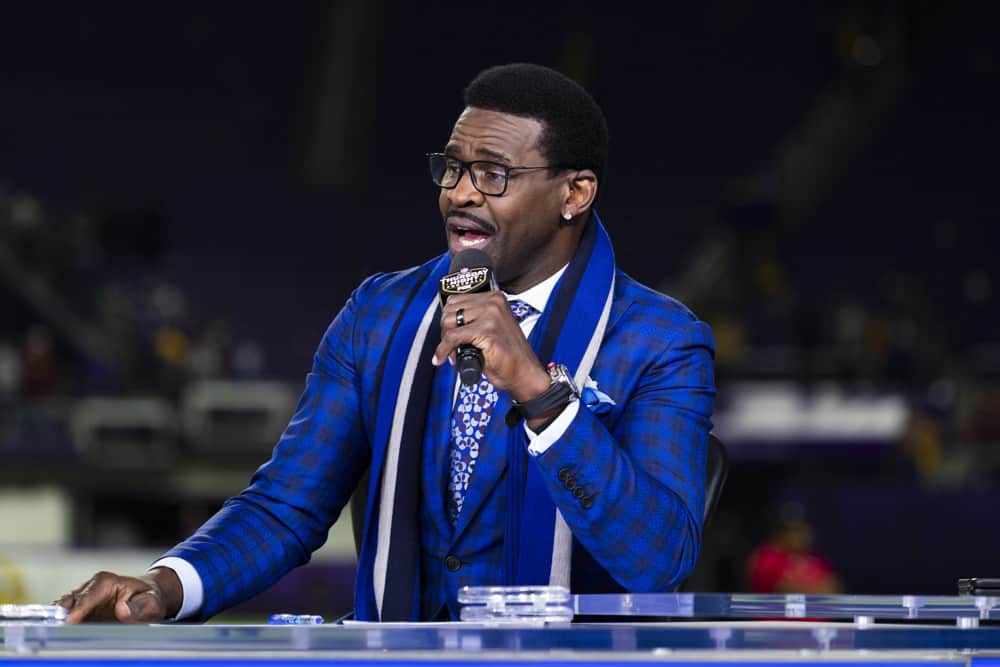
x=486 y=225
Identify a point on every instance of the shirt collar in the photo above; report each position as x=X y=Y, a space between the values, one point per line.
x=538 y=296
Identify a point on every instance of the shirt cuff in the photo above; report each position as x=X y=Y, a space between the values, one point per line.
x=192 y=590
x=538 y=443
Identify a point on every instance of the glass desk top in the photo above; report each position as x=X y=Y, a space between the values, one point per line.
x=638 y=626
x=746 y=605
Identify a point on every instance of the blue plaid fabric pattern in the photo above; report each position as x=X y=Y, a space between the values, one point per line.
x=473 y=410
x=642 y=463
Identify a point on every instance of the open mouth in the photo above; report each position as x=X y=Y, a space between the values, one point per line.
x=463 y=234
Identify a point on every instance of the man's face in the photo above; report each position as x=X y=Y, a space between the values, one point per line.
x=521 y=230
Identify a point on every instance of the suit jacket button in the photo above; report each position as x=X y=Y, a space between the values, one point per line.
x=578 y=492
x=563 y=474
x=587 y=502
x=569 y=483
x=453 y=563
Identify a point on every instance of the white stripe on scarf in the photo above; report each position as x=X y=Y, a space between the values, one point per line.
x=562 y=540
x=388 y=490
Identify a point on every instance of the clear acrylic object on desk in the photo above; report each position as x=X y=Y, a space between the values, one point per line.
x=33 y=614
x=515 y=604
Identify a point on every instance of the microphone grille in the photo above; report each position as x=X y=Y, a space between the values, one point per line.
x=471 y=258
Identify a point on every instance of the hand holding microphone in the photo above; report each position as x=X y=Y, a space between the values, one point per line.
x=477 y=325
x=471 y=272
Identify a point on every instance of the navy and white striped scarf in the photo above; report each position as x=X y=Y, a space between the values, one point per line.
x=537 y=544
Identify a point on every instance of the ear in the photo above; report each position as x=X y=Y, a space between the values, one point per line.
x=580 y=194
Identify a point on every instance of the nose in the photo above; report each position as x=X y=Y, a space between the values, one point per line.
x=465 y=193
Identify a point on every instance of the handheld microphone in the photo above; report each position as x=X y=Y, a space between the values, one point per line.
x=470 y=271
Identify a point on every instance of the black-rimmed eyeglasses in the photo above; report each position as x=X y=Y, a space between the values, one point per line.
x=490 y=178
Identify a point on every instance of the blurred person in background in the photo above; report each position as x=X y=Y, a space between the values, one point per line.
x=39 y=364
x=501 y=482
x=10 y=371
x=787 y=562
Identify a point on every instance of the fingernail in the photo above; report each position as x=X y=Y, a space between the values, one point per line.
x=434 y=360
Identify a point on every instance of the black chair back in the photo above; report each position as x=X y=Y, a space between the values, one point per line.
x=716 y=471
x=359 y=506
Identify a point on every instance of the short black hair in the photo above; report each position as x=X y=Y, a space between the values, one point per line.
x=575 y=133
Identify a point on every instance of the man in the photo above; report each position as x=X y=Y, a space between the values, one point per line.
x=511 y=481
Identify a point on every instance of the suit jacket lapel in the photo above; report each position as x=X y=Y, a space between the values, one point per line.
x=489 y=467
x=439 y=449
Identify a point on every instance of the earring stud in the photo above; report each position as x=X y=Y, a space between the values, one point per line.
x=567 y=215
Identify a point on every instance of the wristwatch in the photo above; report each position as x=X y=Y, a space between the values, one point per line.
x=561 y=392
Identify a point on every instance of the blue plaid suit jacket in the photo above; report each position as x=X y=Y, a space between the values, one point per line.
x=640 y=466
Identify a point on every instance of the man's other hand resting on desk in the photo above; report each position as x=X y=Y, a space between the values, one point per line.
x=108 y=597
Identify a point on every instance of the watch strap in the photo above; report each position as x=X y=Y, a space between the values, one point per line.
x=560 y=393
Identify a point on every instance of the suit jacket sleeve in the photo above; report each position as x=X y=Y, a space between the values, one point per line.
x=641 y=469
x=286 y=512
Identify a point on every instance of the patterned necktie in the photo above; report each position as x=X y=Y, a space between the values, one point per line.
x=468 y=425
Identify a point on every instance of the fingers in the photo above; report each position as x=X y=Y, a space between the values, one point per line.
x=109 y=597
x=66 y=601
x=123 y=612
x=483 y=315
x=470 y=334
x=473 y=307
x=145 y=607
x=509 y=363
x=85 y=600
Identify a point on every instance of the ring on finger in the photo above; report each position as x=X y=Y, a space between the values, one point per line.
x=460 y=317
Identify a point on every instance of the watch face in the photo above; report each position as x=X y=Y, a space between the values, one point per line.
x=559 y=373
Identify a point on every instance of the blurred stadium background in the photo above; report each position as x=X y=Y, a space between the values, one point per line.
x=188 y=193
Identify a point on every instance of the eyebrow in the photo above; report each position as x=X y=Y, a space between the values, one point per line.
x=453 y=150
